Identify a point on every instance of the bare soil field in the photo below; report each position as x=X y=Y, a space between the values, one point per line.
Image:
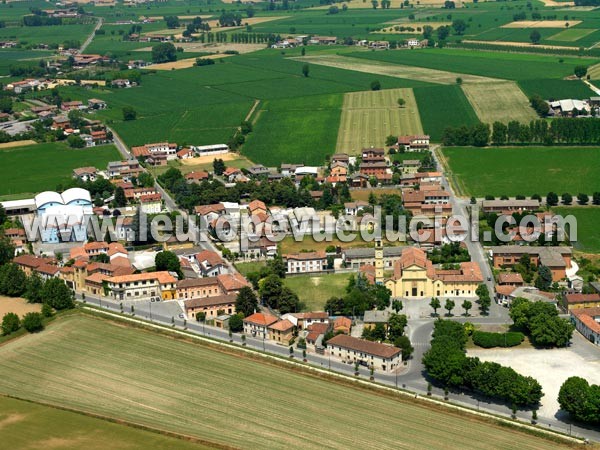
x=393 y=70
x=520 y=44
x=183 y=63
x=213 y=47
x=17 y=305
x=369 y=117
x=14 y=144
x=502 y=101
x=201 y=160
x=541 y=23
x=394 y=4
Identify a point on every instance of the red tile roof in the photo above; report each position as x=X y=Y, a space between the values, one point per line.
x=261 y=319
x=582 y=298
x=364 y=346
x=282 y=325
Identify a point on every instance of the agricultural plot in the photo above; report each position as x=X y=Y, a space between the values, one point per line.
x=139 y=379
x=556 y=89
x=35 y=168
x=369 y=117
x=524 y=170
x=295 y=130
x=29 y=425
x=501 y=101
x=56 y=34
x=571 y=34
x=588 y=218
x=313 y=291
x=541 y=24
x=393 y=70
x=19 y=58
x=594 y=72
x=441 y=107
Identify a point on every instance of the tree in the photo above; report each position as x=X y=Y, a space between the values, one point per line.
x=544 y=278
x=32 y=322
x=596 y=198
x=449 y=306
x=168 y=261
x=218 y=166
x=2 y=217
x=397 y=306
x=129 y=113
x=12 y=280
x=580 y=71
x=467 y=305
x=375 y=85
x=172 y=21
x=7 y=249
x=120 y=199
x=305 y=70
x=164 y=52
x=10 y=323
x=535 y=37
x=459 y=80
x=401 y=102
x=567 y=198
x=435 y=304
x=75 y=141
x=485 y=302
x=236 y=323
x=580 y=399
x=57 y=294
x=6 y=104
x=403 y=342
x=552 y=199
x=246 y=302
x=460 y=26
x=34 y=288
x=583 y=199
x=396 y=325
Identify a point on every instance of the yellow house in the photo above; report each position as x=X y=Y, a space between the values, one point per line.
x=415 y=277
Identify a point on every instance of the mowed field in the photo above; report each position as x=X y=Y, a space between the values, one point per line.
x=314 y=290
x=392 y=69
x=28 y=425
x=139 y=376
x=34 y=168
x=369 y=117
x=588 y=234
x=502 y=101
x=524 y=170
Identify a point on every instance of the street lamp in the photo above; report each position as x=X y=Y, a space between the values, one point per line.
x=264 y=341
x=150 y=311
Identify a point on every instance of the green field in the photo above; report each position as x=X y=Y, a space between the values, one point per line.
x=93 y=365
x=556 y=89
x=315 y=290
x=56 y=34
x=35 y=168
x=295 y=131
x=524 y=170
x=571 y=34
x=371 y=116
x=588 y=235
x=29 y=425
x=441 y=107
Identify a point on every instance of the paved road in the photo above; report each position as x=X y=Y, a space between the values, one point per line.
x=410 y=378
x=90 y=38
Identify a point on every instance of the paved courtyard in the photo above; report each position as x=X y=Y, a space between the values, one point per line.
x=550 y=367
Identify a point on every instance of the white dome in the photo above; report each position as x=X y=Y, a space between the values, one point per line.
x=74 y=194
x=46 y=197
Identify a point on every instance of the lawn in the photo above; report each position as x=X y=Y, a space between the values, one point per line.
x=588 y=218
x=369 y=117
x=524 y=170
x=315 y=290
x=35 y=168
x=251 y=266
x=295 y=131
x=441 y=107
x=227 y=399
x=29 y=425
x=499 y=102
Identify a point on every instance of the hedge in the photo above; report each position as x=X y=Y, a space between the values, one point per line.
x=488 y=340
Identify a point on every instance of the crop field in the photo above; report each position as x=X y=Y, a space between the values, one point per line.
x=443 y=106
x=314 y=290
x=556 y=89
x=594 y=72
x=35 y=168
x=509 y=66
x=502 y=101
x=588 y=218
x=19 y=58
x=571 y=34
x=524 y=170
x=295 y=130
x=392 y=70
x=29 y=425
x=369 y=117
x=55 y=34
x=188 y=388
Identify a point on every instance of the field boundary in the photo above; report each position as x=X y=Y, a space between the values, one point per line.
x=373 y=387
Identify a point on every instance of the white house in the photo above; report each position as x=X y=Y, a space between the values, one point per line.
x=306 y=262
x=351 y=350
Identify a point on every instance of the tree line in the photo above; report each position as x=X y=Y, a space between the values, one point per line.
x=447 y=363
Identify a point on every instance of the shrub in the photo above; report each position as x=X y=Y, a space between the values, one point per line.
x=32 y=322
x=488 y=340
x=10 y=323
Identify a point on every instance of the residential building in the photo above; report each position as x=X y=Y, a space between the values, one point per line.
x=355 y=258
x=509 y=206
x=257 y=325
x=353 y=208
x=190 y=288
x=373 y=318
x=557 y=259
x=151 y=203
x=212 y=307
x=351 y=350
x=281 y=332
x=510 y=279
x=85 y=173
x=587 y=322
x=308 y=262
x=577 y=301
x=342 y=325
x=413 y=143
x=210 y=263
x=142 y=286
